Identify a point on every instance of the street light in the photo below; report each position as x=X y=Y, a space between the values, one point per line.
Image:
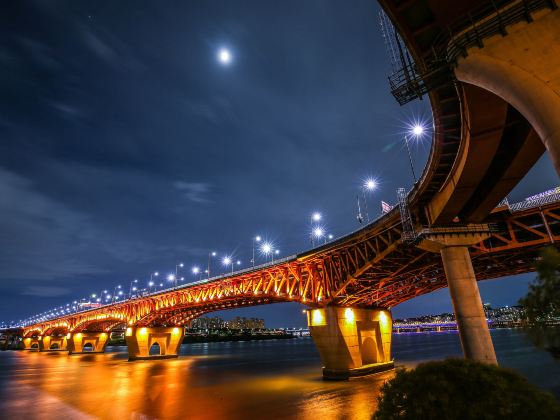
x=196 y=270
x=255 y=239
x=150 y=285
x=370 y=184
x=316 y=217
x=319 y=232
x=172 y=277
x=267 y=249
x=210 y=255
x=417 y=130
x=181 y=265
x=130 y=288
x=115 y=292
x=227 y=261
x=154 y=274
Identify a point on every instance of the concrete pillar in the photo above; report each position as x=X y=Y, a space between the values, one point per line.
x=351 y=342
x=453 y=245
x=469 y=312
x=87 y=342
x=523 y=68
x=141 y=339
x=53 y=343
x=31 y=343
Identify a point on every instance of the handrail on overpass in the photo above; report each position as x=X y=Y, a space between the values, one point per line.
x=412 y=81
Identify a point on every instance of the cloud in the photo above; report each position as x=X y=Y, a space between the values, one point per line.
x=40 y=238
x=45 y=291
x=194 y=191
x=66 y=109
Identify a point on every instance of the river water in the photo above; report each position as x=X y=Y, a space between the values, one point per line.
x=238 y=380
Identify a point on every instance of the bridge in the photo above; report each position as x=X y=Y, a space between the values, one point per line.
x=450 y=230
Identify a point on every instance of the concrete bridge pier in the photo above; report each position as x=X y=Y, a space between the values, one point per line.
x=31 y=343
x=53 y=343
x=463 y=288
x=87 y=342
x=351 y=341
x=153 y=342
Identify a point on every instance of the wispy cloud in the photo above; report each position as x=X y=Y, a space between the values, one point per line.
x=45 y=291
x=194 y=191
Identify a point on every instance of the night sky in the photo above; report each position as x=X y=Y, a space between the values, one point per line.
x=126 y=147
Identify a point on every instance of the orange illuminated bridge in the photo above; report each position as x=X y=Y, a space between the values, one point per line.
x=451 y=230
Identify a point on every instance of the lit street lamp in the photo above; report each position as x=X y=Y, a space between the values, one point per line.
x=227 y=261
x=115 y=296
x=210 y=255
x=196 y=271
x=130 y=288
x=369 y=185
x=268 y=249
x=177 y=266
x=316 y=217
x=172 y=277
x=255 y=239
x=417 y=131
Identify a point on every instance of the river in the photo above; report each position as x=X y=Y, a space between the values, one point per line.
x=237 y=380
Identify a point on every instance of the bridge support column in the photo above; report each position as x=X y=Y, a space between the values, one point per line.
x=463 y=288
x=87 y=342
x=469 y=313
x=351 y=342
x=31 y=343
x=53 y=343
x=153 y=342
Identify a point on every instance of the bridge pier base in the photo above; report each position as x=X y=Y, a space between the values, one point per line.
x=87 y=342
x=153 y=342
x=31 y=343
x=351 y=342
x=463 y=288
x=53 y=343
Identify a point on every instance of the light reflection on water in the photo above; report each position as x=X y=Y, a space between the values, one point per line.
x=264 y=379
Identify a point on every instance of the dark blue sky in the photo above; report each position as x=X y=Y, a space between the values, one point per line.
x=125 y=147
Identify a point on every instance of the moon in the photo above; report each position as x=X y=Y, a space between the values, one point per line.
x=224 y=56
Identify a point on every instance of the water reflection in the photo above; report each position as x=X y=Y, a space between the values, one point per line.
x=268 y=379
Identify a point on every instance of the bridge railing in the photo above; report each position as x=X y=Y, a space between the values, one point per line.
x=486 y=20
x=534 y=202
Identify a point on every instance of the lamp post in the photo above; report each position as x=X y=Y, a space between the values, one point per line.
x=210 y=255
x=417 y=131
x=130 y=288
x=172 y=277
x=255 y=239
x=227 y=261
x=319 y=233
x=115 y=297
x=410 y=157
x=315 y=218
x=196 y=271
x=177 y=266
x=369 y=185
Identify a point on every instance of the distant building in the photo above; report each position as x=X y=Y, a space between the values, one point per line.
x=237 y=323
